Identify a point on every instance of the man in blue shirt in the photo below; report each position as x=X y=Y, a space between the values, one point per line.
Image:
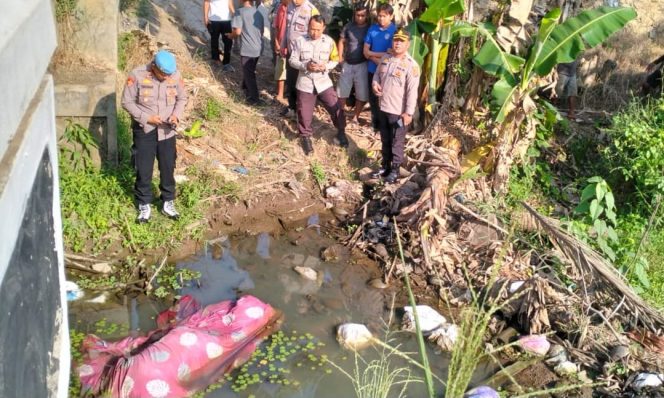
x=377 y=44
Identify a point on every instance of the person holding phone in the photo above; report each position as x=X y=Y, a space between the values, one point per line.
x=314 y=56
x=395 y=83
x=155 y=97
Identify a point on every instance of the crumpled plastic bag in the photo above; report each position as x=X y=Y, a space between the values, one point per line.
x=354 y=336
x=429 y=318
x=481 y=392
x=535 y=344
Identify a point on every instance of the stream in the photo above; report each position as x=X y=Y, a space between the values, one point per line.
x=262 y=265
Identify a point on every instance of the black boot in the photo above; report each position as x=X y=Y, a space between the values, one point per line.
x=343 y=140
x=384 y=170
x=307 y=146
x=393 y=175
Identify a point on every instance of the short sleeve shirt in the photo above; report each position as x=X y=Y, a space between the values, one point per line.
x=379 y=40
x=252 y=22
x=353 y=36
x=219 y=10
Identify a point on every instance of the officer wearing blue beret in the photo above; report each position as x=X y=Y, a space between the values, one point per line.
x=155 y=97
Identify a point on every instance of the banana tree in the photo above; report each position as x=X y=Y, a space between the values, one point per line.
x=435 y=25
x=519 y=78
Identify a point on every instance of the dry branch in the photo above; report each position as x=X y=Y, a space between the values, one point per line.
x=600 y=273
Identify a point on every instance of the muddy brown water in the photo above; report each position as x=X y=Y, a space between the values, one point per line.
x=262 y=265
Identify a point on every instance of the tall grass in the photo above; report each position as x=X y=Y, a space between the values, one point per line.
x=428 y=378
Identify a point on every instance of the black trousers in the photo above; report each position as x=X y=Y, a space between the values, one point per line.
x=291 y=82
x=373 y=104
x=216 y=29
x=393 y=139
x=249 y=78
x=144 y=151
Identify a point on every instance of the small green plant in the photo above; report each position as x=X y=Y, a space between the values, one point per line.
x=172 y=279
x=125 y=41
x=65 y=9
x=597 y=205
x=80 y=143
x=212 y=110
x=318 y=172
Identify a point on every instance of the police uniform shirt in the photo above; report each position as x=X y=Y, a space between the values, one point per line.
x=321 y=51
x=297 y=22
x=399 y=79
x=144 y=96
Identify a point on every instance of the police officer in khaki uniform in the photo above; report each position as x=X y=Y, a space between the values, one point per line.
x=154 y=96
x=314 y=56
x=395 y=82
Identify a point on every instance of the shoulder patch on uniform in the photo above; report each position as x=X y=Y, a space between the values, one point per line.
x=130 y=81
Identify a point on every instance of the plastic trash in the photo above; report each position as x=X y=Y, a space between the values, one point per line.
x=445 y=336
x=429 y=318
x=566 y=368
x=73 y=291
x=556 y=355
x=307 y=273
x=535 y=344
x=516 y=285
x=354 y=336
x=481 y=392
x=647 y=380
x=241 y=170
x=263 y=245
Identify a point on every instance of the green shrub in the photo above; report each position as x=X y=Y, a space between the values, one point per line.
x=637 y=145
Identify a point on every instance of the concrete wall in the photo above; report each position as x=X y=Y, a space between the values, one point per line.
x=34 y=343
x=86 y=93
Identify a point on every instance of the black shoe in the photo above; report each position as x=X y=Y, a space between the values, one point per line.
x=284 y=111
x=343 y=140
x=392 y=177
x=258 y=102
x=381 y=173
x=307 y=146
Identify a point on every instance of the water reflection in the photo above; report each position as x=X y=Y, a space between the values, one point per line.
x=221 y=277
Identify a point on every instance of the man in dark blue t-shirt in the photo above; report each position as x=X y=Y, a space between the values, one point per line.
x=377 y=44
x=354 y=64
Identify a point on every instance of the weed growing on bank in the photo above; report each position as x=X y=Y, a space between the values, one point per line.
x=610 y=196
x=98 y=208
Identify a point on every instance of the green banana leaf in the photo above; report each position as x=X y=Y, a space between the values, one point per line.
x=442 y=9
x=503 y=93
x=582 y=32
x=418 y=48
x=493 y=60
x=461 y=29
x=547 y=25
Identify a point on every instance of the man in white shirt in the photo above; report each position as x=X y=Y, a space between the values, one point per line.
x=217 y=15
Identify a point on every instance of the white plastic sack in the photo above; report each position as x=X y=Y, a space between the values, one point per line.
x=445 y=336
x=643 y=380
x=353 y=336
x=429 y=318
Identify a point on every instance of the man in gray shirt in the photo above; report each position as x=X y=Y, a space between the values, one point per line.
x=248 y=24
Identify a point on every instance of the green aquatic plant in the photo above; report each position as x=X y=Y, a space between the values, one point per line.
x=272 y=363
